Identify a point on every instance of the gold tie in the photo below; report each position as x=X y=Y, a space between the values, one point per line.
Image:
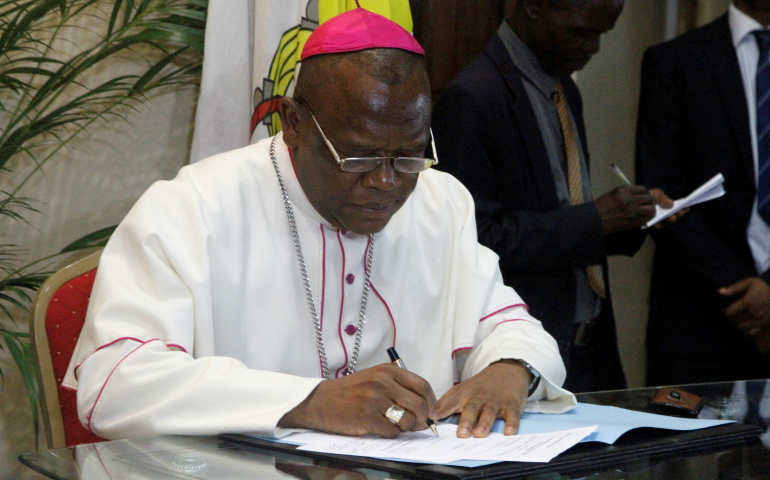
x=575 y=176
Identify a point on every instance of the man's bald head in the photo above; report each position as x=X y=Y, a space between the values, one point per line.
x=390 y=66
x=564 y=34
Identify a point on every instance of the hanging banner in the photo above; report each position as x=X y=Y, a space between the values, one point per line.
x=251 y=61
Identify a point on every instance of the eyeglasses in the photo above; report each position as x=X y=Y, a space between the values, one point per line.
x=366 y=164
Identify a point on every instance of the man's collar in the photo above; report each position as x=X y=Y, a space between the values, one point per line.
x=526 y=60
x=741 y=25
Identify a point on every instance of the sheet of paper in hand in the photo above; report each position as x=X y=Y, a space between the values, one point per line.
x=708 y=191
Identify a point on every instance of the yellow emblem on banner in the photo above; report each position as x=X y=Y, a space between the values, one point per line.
x=283 y=67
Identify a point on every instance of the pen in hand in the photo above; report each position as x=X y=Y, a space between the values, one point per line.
x=620 y=174
x=394 y=358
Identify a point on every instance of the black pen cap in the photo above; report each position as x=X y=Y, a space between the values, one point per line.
x=393 y=355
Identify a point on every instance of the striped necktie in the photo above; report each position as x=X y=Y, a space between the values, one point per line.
x=763 y=125
x=575 y=176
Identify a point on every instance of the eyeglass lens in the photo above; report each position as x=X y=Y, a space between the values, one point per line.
x=401 y=164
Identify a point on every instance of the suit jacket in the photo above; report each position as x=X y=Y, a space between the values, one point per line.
x=693 y=124
x=487 y=135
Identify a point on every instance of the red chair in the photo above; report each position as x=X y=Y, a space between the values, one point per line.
x=59 y=311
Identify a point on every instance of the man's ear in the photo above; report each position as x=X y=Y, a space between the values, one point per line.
x=288 y=108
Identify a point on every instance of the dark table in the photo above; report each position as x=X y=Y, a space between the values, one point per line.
x=172 y=457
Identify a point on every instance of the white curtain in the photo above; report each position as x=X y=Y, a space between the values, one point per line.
x=252 y=49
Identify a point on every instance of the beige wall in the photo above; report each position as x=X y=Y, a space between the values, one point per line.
x=708 y=10
x=610 y=87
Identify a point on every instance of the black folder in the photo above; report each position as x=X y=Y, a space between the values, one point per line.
x=638 y=445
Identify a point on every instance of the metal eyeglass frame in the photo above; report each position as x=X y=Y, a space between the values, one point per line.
x=367 y=164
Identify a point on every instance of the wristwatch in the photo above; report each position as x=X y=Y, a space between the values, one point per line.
x=535 y=374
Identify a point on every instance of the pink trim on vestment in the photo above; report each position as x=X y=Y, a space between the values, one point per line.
x=374 y=289
x=514 y=320
x=104 y=385
x=323 y=279
x=323 y=293
x=458 y=349
x=176 y=345
x=504 y=309
x=99 y=455
x=75 y=370
x=342 y=304
x=387 y=307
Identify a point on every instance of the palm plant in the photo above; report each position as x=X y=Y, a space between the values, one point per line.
x=48 y=97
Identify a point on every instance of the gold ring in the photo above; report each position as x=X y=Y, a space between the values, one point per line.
x=394 y=414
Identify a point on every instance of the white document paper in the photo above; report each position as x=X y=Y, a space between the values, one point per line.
x=425 y=447
x=708 y=191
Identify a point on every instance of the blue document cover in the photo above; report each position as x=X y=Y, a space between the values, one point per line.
x=613 y=422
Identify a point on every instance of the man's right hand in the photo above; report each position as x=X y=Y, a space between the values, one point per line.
x=750 y=309
x=356 y=404
x=625 y=208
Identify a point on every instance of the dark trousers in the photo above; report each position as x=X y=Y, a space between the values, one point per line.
x=596 y=366
x=746 y=365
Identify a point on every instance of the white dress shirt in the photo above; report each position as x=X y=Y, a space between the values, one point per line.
x=198 y=322
x=741 y=26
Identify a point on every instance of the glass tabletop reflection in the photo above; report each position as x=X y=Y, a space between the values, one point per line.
x=205 y=458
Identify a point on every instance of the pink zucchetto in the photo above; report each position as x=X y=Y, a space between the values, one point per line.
x=359 y=29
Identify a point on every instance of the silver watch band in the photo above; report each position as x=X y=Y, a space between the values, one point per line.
x=535 y=374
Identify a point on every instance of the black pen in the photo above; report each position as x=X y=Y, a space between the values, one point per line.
x=394 y=358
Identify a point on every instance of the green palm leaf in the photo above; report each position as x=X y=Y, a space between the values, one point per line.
x=46 y=101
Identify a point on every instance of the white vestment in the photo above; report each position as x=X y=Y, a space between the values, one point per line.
x=198 y=322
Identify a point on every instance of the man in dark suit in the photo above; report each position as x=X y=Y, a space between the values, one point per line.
x=504 y=129
x=701 y=105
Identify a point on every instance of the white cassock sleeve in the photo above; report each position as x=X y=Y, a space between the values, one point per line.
x=505 y=330
x=176 y=394
x=150 y=314
x=525 y=340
